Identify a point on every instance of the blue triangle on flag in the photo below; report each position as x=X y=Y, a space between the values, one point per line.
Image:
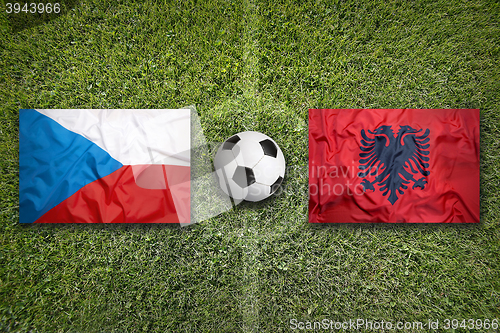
x=54 y=163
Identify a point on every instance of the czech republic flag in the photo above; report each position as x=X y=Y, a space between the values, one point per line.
x=104 y=166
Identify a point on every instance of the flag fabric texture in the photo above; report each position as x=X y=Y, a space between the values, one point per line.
x=394 y=165
x=104 y=166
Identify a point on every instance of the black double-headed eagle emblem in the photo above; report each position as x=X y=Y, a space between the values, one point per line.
x=394 y=160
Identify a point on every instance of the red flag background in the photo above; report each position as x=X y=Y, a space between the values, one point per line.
x=452 y=190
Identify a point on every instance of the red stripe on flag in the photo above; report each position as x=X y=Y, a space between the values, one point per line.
x=122 y=198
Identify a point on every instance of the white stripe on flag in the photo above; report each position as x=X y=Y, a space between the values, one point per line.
x=142 y=136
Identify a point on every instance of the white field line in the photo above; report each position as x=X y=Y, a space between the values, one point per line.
x=250 y=245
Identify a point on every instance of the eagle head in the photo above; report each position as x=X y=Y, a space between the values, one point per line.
x=407 y=130
x=384 y=129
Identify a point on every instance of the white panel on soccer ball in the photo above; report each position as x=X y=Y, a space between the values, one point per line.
x=257 y=192
x=254 y=136
x=223 y=157
x=281 y=162
x=250 y=153
x=228 y=185
x=268 y=170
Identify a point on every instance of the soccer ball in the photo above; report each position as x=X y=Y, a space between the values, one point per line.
x=250 y=166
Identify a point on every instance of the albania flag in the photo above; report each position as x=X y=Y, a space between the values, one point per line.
x=393 y=165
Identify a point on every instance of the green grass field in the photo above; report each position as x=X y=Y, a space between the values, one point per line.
x=250 y=65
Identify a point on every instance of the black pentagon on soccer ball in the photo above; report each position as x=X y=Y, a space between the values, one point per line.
x=269 y=148
x=229 y=144
x=243 y=176
x=276 y=184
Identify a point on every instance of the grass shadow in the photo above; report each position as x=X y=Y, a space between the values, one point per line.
x=420 y=226
x=121 y=227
